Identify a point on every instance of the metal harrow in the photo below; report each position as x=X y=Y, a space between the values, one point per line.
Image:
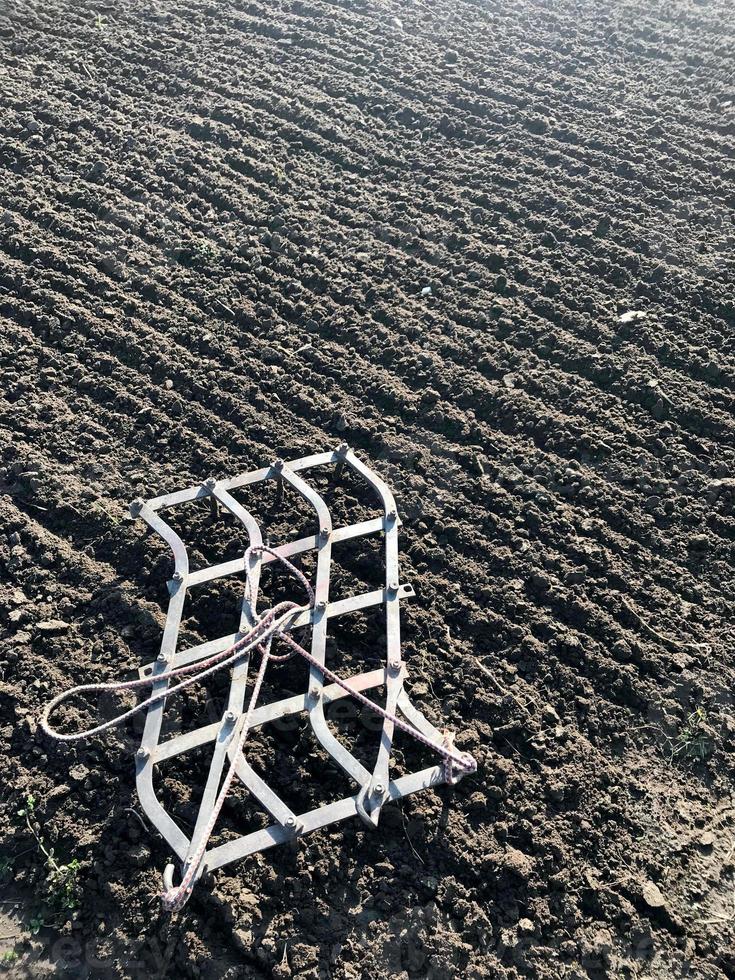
x=375 y=787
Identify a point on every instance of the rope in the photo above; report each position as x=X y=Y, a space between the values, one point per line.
x=274 y=623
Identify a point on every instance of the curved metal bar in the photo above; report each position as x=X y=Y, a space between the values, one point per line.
x=153 y=809
x=223 y=742
x=377 y=792
x=334 y=747
x=381 y=488
x=154 y=717
x=240 y=673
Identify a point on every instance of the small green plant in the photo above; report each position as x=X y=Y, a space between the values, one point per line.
x=200 y=251
x=6 y=868
x=8 y=957
x=61 y=890
x=100 y=22
x=694 y=740
x=106 y=511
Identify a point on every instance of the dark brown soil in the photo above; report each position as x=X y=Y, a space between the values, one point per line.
x=217 y=223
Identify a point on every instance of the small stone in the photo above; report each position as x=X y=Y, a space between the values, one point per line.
x=548 y=713
x=271 y=355
x=652 y=895
x=243 y=939
x=140 y=855
x=600 y=943
x=632 y=315
x=79 y=773
x=518 y=862
x=621 y=649
x=526 y=927
x=707 y=839
x=341 y=423
x=51 y=627
x=659 y=410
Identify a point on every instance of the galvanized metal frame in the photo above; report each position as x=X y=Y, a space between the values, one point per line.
x=374 y=788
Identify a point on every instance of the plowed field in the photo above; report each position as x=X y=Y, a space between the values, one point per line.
x=490 y=245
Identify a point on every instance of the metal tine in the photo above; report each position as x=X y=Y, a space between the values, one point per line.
x=210 y=483
x=342 y=450
x=280 y=490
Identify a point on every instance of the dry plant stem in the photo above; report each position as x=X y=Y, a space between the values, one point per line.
x=503 y=690
x=667 y=641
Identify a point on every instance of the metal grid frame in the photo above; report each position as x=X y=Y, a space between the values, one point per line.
x=374 y=788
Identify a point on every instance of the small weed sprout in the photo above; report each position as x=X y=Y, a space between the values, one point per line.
x=8 y=958
x=6 y=868
x=106 y=511
x=200 y=252
x=694 y=741
x=61 y=888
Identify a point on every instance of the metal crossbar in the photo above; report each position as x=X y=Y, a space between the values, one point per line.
x=255 y=635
